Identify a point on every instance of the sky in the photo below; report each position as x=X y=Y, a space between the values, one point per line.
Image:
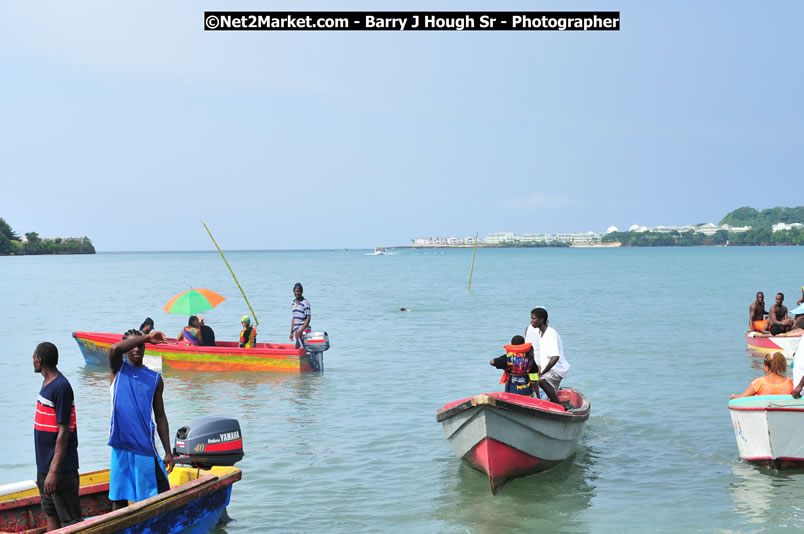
x=126 y=122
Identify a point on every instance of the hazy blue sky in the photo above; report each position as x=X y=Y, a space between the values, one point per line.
x=126 y=122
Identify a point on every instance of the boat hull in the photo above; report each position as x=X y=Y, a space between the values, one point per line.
x=196 y=501
x=769 y=344
x=224 y=356
x=510 y=436
x=769 y=429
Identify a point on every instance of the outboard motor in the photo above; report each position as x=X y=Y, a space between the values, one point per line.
x=316 y=343
x=207 y=441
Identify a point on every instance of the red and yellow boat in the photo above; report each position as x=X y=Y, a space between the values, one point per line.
x=224 y=356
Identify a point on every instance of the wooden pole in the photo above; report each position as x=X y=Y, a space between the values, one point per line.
x=256 y=321
x=469 y=288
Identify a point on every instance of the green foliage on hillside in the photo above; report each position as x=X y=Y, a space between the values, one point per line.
x=10 y=243
x=669 y=239
x=746 y=216
x=761 y=233
x=7 y=232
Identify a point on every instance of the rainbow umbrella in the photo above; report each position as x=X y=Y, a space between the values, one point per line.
x=193 y=301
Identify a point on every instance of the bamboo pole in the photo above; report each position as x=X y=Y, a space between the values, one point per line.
x=256 y=321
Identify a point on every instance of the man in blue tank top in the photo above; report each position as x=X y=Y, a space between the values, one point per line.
x=138 y=413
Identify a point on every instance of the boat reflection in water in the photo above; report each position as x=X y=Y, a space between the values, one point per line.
x=549 y=501
x=765 y=496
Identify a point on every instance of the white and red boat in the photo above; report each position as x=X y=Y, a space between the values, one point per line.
x=769 y=429
x=509 y=436
x=767 y=344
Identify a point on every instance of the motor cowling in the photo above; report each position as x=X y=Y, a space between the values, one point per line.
x=209 y=440
x=316 y=341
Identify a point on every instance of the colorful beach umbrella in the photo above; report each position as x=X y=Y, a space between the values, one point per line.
x=193 y=301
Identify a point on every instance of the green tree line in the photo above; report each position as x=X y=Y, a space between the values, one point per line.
x=668 y=239
x=761 y=232
x=746 y=216
x=11 y=243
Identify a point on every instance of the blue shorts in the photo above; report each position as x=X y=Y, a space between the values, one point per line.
x=134 y=477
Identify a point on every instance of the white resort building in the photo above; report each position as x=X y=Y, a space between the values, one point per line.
x=580 y=239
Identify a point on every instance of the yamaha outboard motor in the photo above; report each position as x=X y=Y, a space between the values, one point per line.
x=315 y=343
x=207 y=441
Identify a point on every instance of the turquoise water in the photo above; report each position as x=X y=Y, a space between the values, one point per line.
x=655 y=338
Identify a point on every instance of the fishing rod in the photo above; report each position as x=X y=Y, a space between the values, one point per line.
x=469 y=287
x=256 y=321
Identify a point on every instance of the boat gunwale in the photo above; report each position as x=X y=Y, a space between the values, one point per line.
x=764 y=409
x=178 y=348
x=484 y=400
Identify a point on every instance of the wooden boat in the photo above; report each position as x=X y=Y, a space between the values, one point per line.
x=767 y=344
x=769 y=429
x=508 y=436
x=196 y=502
x=224 y=356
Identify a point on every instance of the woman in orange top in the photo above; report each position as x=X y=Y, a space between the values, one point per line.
x=774 y=382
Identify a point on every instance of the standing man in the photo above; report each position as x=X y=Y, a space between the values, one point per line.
x=798 y=369
x=56 y=442
x=300 y=322
x=757 y=313
x=778 y=321
x=553 y=365
x=137 y=412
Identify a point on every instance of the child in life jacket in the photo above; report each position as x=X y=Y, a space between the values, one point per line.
x=518 y=364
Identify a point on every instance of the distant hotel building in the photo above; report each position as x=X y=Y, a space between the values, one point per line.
x=443 y=241
x=705 y=229
x=784 y=226
x=579 y=239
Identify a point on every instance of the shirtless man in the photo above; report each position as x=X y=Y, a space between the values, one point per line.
x=778 y=320
x=757 y=313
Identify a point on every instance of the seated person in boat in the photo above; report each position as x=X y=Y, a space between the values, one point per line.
x=757 y=314
x=207 y=334
x=191 y=334
x=518 y=364
x=801 y=300
x=147 y=326
x=778 y=320
x=774 y=382
x=248 y=336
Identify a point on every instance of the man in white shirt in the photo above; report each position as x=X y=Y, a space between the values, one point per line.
x=548 y=351
x=798 y=369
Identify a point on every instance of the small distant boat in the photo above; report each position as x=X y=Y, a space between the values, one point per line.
x=509 y=436
x=769 y=429
x=196 y=502
x=224 y=356
x=379 y=251
x=766 y=343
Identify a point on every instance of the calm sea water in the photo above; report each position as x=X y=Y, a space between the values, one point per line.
x=655 y=338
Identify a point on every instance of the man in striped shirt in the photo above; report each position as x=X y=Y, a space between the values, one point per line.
x=300 y=322
x=56 y=442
